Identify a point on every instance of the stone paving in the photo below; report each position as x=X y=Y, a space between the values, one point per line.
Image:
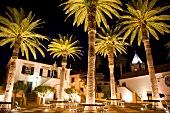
x=129 y=108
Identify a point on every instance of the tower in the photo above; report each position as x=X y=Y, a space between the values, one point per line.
x=137 y=63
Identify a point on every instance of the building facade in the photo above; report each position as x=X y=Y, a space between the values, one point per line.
x=135 y=85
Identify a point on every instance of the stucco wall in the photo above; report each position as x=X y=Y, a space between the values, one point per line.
x=141 y=85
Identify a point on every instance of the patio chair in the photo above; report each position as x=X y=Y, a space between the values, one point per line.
x=49 y=105
x=167 y=105
x=17 y=107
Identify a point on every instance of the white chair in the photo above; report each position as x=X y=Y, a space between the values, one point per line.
x=17 y=107
x=49 y=105
x=121 y=103
x=167 y=105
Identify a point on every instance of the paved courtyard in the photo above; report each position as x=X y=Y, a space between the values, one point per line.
x=129 y=108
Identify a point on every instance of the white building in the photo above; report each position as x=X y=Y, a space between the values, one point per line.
x=34 y=74
x=136 y=85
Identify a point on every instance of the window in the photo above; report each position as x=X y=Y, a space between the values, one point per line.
x=54 y=74
x=167 y=81
x=72 y=80
x=49 y=73
x=124 y=84
x=27 y=70
x=106 y=84
x=43 y=72
x=81 y=89
x=20 y=81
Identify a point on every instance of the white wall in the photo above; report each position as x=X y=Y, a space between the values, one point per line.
x=125 y=94
x=35 y=78
x=142 y=84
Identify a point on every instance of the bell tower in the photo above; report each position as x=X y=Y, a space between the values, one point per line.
x=137 y=63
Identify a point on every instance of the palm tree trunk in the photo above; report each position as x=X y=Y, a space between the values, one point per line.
x=11 y=74
x=112 y=78
x=90 y=94
x=151 y=70
x=62 y=78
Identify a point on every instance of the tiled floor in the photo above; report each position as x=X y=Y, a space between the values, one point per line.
x=135 y=108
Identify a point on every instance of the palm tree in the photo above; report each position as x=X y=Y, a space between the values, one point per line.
x=121 y=62
x=91 y=12
x=16 y=89
x=107 y=44
x=143 y=19
x=44 y=91
x=18 y=30
x=64 y=47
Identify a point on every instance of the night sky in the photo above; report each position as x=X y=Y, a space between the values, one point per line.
x=53 y=15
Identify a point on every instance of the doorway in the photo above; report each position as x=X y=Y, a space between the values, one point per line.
x=29 y=85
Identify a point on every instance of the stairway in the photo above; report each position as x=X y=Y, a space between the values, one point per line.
x=31 y=98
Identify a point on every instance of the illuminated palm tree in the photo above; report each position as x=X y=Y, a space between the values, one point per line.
x=64 y=47
x=18 y=30
x=90 y=12
x=16 y=89
x=141 y=20
x=108 y=43
x=121 y=62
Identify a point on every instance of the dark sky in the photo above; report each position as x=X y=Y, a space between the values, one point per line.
x=54 y=17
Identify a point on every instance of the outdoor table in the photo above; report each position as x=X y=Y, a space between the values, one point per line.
x=155 y=103
x=100 y=105
x=118 y=100
x=9 y=103
x=60 y=103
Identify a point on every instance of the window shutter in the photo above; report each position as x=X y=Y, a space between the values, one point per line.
x=23 y=69
x=32 y=70
x=55 y=74
x=48 y=73
x=41 y=72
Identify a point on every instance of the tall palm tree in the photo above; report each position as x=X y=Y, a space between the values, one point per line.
x=16 y=89
x=143 y=19
x=18 y=30
x=65 y=47
x=108 y=43
x=121 y=62
x=91 y=12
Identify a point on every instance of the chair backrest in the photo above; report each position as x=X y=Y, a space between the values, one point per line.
x=16 y=103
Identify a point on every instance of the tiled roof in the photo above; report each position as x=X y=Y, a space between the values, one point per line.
x=143 y=72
